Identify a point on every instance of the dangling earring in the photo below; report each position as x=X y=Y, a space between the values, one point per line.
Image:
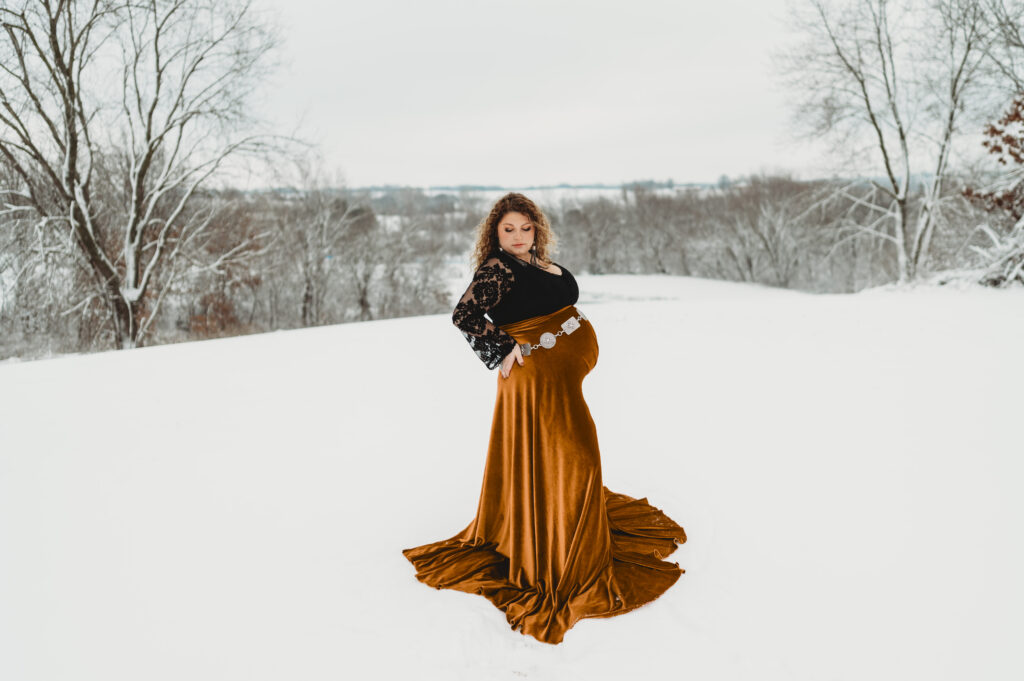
x=533 y=254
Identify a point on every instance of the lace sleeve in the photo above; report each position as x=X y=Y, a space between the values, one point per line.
x=491 y=281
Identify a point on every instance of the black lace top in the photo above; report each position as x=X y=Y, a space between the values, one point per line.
x=508 y=290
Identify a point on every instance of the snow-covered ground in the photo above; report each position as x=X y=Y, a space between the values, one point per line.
x=848 y=470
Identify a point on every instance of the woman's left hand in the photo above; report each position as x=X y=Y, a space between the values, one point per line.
x=511 y=358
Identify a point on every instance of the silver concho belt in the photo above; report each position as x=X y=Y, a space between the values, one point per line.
x=548 y=339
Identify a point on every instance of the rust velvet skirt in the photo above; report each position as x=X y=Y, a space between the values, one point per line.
x=550 y=544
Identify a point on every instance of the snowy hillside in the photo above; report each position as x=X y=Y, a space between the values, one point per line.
x=847 y=469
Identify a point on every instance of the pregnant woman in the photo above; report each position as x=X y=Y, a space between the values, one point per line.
x=549 y=544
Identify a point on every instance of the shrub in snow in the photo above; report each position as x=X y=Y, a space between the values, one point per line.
x=1004 y=257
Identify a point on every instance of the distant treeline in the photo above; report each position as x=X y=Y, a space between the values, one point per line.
x=326 y=256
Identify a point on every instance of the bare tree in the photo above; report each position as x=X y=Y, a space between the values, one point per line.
x=1007 y=51
x=593 y=231
x=117 y=156
x=316 y=234
x=652 y=216
x=889 y=82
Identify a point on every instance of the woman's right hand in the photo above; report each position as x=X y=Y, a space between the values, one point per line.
x=511 y=358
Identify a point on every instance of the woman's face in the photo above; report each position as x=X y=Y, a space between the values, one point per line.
x=515 y=234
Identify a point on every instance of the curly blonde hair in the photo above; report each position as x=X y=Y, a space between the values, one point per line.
x=544 y=239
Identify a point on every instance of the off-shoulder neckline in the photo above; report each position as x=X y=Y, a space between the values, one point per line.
x=526 y=264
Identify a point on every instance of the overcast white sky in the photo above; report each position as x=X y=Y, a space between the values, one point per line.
x=524 y=93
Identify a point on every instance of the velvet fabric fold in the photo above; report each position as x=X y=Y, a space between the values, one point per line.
x=550 y=544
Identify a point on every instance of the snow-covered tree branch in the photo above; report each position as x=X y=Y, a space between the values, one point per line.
x=120 y=163
x=888 y=83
